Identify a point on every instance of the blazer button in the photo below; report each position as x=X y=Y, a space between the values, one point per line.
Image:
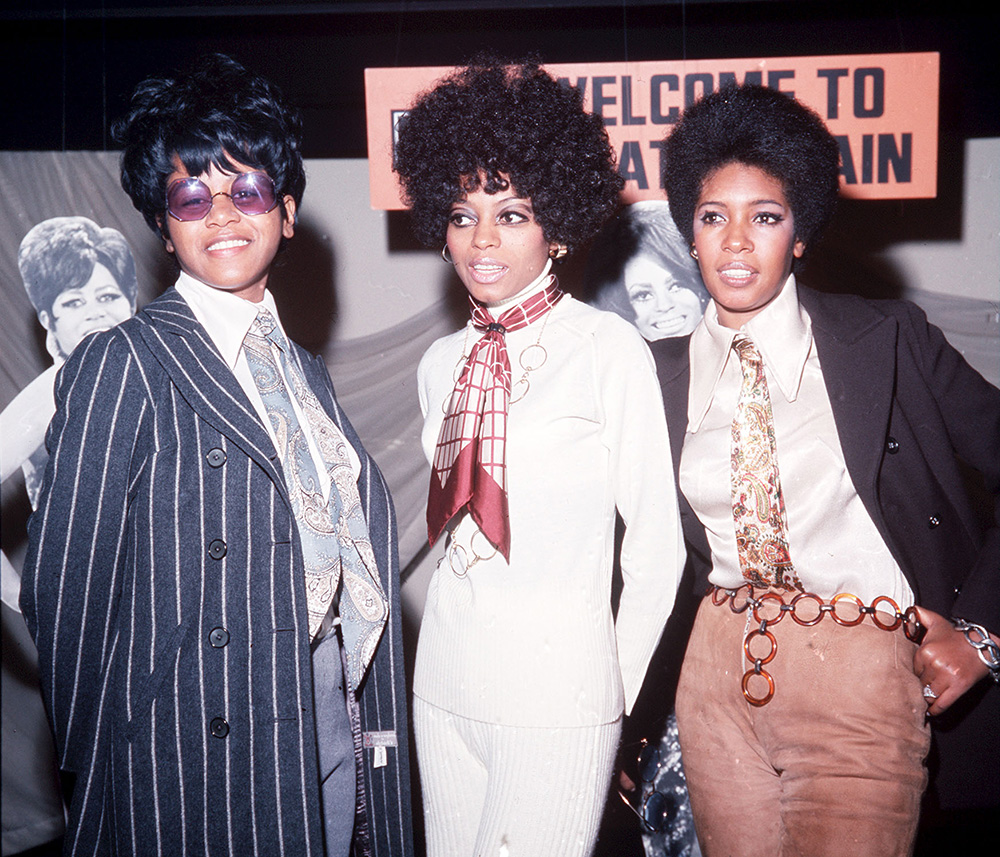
x=216 y=457
x=217 y=548
x=892 y=445
x=219 y=727
x=933 y=521
x=218 y=637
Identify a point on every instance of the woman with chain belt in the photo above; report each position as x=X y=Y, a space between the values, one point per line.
x=821 y=461
x=542 y=417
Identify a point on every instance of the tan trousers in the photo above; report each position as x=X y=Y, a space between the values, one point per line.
x=832 y=765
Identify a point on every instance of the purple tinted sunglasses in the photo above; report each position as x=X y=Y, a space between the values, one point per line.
x=190 y=199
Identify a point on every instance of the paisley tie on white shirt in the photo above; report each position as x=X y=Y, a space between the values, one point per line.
x=333 y=531
x=758 y=507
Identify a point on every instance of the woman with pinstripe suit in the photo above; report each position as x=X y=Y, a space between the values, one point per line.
x=188 y=626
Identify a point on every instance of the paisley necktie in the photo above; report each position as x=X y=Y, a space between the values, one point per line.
x=333 y=531
x=758 y=508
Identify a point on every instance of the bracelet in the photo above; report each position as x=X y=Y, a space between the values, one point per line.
x=988 y=651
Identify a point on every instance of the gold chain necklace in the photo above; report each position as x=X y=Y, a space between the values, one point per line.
x=531 y=358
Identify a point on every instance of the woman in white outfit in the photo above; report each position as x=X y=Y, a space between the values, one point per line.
x=542 y=418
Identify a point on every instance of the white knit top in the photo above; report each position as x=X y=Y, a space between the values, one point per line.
x=534 y=642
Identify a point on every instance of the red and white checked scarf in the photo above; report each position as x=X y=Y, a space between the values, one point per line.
x=470 y=467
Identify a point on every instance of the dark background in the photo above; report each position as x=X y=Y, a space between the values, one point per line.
x=70 y=66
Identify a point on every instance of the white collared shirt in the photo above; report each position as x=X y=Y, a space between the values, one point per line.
x=834 y=544
x=228 y=318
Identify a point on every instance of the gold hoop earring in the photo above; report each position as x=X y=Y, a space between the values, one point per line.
x=558 y=253
x=694 y=253
x=446 y=255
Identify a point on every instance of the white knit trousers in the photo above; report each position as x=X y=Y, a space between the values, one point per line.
x=511 y=791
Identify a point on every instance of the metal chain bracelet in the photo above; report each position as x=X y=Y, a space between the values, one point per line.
x=806 y=608
x=988 y=651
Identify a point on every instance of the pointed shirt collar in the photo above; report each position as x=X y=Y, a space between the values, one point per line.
x=226 y=317
x=782 y=332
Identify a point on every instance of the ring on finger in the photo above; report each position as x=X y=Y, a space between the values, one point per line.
x=928 y=693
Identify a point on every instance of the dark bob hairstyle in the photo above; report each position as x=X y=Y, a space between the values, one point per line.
x=60 y=254
x=507 y=123
x=218 y=113
x=759 y=127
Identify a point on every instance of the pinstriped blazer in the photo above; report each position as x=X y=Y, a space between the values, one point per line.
x=164 y=589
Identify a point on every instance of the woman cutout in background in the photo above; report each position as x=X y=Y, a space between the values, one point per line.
x=80 y=279
x=640 y=268
x=522 y=673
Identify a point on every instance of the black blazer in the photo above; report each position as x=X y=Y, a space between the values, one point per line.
x=913 y=418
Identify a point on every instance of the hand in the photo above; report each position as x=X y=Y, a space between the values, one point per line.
x=945 y=662
x=625 y=782
x=625 y=763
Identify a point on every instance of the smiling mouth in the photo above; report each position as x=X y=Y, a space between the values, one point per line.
x=737 y=275
x=229 y=244
x=97 y=327
x=668 y=319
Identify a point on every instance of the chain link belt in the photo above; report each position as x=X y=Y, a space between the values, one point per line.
x=806 y=609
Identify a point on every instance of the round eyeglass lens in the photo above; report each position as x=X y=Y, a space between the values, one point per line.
x=253 y=193
x=657 y=809
x=649 y=762
x=188 y=199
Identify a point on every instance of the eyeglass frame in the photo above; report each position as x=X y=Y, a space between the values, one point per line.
x=194 y=179
x=641 y=813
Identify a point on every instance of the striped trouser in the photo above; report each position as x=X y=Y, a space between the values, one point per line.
x=511 y=791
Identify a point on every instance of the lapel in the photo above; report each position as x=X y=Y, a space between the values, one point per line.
x=187 y=354
x=857 y=352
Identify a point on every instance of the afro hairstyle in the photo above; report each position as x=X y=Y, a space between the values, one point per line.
x=60 y=254
x=759 y=127
x=495 y=124
x=216 y=114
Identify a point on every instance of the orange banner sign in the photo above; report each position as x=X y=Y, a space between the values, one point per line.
x=882 y=108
